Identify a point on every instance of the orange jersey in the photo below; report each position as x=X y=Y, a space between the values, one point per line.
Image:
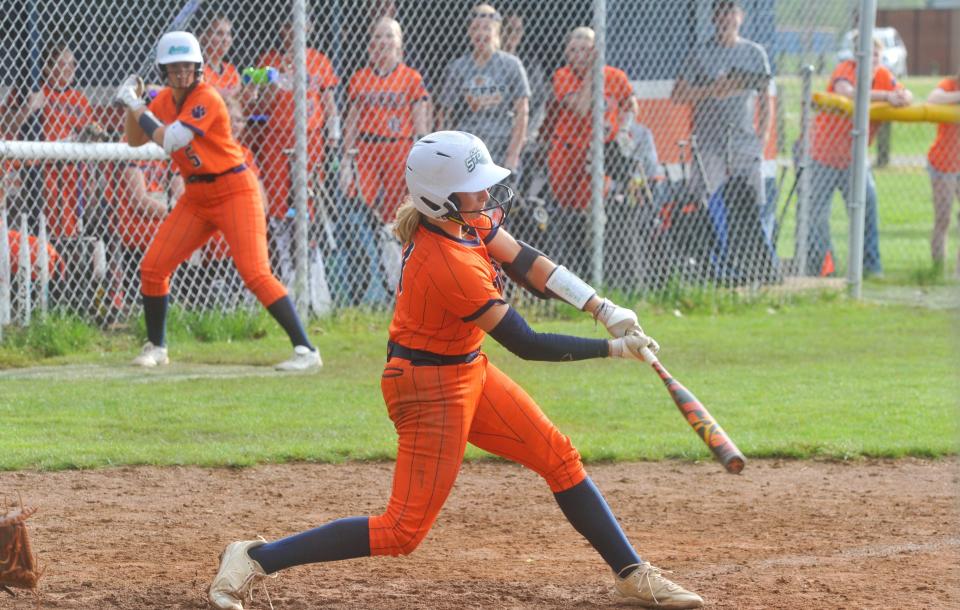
x=55 y=265
x=65 y=113
x=213 y=149
x=445 y=284
x=573 y=129
x=944 y=155
x=832 y=141
x=385 y=101
x=320 y=76
x=135 y=228
x=227 y=81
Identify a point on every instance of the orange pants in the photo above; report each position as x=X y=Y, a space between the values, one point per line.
x=438 y=409
x=231 y=204
x=380 y=169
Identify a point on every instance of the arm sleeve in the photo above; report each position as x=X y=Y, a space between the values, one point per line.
x=515 y=334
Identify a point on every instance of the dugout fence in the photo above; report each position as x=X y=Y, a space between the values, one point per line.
x=653 y=182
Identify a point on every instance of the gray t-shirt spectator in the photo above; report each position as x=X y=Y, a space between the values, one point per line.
x=728 y=122
x=479 y=99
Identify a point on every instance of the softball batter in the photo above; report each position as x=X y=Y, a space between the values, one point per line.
x=190 y=121
x=442 y=392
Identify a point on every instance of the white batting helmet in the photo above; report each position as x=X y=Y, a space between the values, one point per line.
x=177 y=47
x=447 y=162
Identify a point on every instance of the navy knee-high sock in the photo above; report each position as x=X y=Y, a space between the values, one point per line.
x=284 y=313
x=585 y=509
x=155 y=316
x=341 y=539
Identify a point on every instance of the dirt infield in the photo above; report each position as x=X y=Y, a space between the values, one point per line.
x=796 y=535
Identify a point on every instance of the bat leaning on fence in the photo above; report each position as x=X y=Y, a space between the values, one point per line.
x=699 y=418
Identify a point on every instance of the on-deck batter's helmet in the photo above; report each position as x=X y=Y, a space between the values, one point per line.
x=443 y=163
x=175 y=47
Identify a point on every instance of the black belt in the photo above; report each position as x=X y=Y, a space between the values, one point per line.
x=422 y=358
x=212 y=177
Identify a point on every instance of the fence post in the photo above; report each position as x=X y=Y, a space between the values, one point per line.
x=43 y=270
x=861 y=119
x=803 y=171
x=299 y=176
x=24 y=272
x=597 y=169
x=4 y=265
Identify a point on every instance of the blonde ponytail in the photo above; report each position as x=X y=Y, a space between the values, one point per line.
x=408 y=219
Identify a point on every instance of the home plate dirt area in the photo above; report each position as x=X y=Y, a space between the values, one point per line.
x=784 y=534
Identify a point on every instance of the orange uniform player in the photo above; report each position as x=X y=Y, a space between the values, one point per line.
x=55 y=267
x=189 y=119
x=139 y=193
x=277 y=136
x=570 y=143
x=831 y=167
x=442 y=392
x=387 y=108
x=217 y=38
x=944 y=159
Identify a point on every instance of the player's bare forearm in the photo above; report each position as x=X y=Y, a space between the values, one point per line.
x=132 y=130
x=939 y=96
x=766 y=117
x=135 y=134
x=521 y=110
x=350 y=129
x=420 y=110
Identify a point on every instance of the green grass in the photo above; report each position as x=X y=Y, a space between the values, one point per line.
x=821 y=379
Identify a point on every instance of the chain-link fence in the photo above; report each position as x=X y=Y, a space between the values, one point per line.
x=709 y=176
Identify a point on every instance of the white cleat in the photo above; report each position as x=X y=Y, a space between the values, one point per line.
x=151 y=356
x=237 y=573
x=304 y=359
x=646 y=587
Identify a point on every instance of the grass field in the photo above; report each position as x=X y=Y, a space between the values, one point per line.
x=828 y=378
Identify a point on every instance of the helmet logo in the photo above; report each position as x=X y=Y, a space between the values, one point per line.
x=474 y=158
x=179 y=50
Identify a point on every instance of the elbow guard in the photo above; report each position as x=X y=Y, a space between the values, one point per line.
x=570 y=288
x=519 y=269
x=176 y=136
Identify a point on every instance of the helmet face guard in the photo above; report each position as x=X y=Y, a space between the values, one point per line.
x=496 y=211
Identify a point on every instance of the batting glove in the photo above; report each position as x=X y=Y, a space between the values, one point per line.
x=130 y=93
x=630 y=346
x=618 y=320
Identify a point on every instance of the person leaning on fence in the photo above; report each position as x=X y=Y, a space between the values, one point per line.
x=442 y=392
x=189 y=119
x=57 y=111
x=216 y=39
x=726 y=80
x=944 y=167
x=570 y=140
x=485 y=91
x=274 y=103
x=56 y=271
x=831 y=167
x=388 y=108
